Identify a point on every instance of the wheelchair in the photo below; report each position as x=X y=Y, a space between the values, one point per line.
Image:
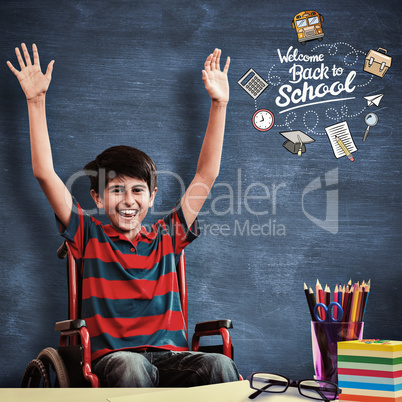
x=70 y=364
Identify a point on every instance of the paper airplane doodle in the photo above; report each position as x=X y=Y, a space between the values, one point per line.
x=373 y=99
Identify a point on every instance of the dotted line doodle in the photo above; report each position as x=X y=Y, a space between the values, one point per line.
x=310 y=129
x=343 y=113
x=352 y=52
x=367 y=83
x=273 y=77
x=334 y=46
x=289 y=119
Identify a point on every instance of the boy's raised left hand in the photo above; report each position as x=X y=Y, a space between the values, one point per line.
x=215 y=80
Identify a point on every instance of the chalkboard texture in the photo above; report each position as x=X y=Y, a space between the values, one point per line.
x=129 y=72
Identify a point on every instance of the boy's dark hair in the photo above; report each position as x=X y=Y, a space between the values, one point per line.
x=118 y=161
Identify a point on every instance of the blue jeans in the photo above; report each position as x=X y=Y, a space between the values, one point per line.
x=164 y=369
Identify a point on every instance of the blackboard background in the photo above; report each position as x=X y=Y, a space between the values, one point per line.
x=129 y=72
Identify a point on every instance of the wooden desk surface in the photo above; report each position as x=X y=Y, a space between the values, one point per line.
x=70 y=394
x=229 y=392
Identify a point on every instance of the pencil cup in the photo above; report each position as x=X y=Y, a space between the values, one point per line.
x=324 y=336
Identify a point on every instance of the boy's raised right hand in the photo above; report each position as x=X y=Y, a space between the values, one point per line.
x=33 y=82
x=35 y=85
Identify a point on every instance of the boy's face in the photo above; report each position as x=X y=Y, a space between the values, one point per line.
x=126 y=201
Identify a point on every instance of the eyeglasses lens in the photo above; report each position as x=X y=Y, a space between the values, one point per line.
x=269 y=382
x=318 y=390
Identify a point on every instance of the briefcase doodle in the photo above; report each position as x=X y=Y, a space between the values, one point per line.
x=377 y=63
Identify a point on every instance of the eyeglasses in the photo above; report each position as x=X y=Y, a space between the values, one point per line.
x=314 y=389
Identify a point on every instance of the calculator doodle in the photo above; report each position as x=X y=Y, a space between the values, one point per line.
x=253 y=83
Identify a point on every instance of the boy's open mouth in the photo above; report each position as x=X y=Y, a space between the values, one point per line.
x=128 y=213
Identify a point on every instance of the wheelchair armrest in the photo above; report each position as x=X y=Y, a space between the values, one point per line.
x=213 y=325
x=76 y=332
x=69 y=325
x=217 y=327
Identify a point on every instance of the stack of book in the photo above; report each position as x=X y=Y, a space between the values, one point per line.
x=370 y=370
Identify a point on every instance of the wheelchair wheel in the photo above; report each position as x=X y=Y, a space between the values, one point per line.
x=35 y=375
x=55 y=368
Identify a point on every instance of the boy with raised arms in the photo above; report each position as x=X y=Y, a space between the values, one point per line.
x=130 y=298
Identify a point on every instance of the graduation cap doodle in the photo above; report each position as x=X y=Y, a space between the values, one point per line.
x=295 y=141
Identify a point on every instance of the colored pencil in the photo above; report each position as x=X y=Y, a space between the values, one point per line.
x=312 y=296
x=350 y=295
x=309 y=302
x=359 y=303
x=355 y=301
x=340 y=296
x=336 y=299
x=344 y=302
x=327 y=295
x=366 y=294
x=320 y=299
x=317 y=287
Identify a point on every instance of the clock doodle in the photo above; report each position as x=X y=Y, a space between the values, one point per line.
x=263 y=120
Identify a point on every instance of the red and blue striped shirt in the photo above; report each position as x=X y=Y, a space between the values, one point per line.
x=130 y=294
